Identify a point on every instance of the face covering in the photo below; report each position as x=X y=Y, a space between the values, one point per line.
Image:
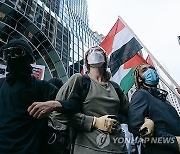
x=151 y=77
x=19 y=69
x=18 y=66
x=95 y=59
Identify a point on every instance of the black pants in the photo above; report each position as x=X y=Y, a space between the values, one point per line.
x=59 y=143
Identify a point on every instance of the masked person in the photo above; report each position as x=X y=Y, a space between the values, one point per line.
x=20 y=133
x=150 y=101
x=178 y=90
x=96 y=124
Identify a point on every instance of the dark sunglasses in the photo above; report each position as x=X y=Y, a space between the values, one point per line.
x=14 y=52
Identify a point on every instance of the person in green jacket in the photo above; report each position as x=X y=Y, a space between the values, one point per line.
x=96 y=122
x=98 y=129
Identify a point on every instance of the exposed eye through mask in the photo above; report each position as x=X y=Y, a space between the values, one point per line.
x=13 y=52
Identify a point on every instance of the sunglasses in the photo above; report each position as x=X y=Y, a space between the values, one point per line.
x=14 y=52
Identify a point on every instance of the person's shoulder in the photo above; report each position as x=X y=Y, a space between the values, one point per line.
x=74 y=79
x=39 y=82
x=116 y=86
x=140 y=93
x=141 y=96
x=76 y=76
x=36 y=80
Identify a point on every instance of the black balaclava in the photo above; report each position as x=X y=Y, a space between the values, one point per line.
x=19 y=68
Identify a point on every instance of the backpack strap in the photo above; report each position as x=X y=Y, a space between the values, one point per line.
x=86 y=81
x=122 y=118
x=116 y=87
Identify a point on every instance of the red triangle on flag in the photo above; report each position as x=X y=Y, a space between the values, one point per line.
x=107 y=43
x=135 y=61
x=149 y=61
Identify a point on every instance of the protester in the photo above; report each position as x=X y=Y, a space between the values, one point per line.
x=20 y=133
x=99 y=109
x=150 y=101
x=178 y=90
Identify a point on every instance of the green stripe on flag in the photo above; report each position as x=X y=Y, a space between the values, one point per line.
x=128 y=81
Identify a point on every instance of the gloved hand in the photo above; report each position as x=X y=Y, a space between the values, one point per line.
x=178 y=140
x=147 y=128
x=105 y=123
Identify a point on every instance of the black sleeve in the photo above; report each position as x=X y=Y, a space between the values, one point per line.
x=68 y=106
x=48 y=91
x=170 y=141
x=71 y=106
x=124 y=103
x=138 y=110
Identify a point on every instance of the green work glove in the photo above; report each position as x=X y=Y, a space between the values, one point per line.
x=105 y=123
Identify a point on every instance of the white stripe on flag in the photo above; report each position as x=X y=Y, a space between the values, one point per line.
x=121 y=38
x=120 y=74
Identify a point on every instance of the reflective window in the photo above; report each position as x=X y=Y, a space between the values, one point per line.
x=38 y=15
x=76 y=48
x=72 y=20
x=81 y=53
x=76 y=57
x=75 y=40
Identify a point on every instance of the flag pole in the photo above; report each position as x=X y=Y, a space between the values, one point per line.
x=177 y=95
x=178 y=37
x=162 y=68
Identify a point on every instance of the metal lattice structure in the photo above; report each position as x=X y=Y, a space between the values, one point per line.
x=58 y=33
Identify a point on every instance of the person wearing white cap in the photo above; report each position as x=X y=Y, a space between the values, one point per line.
x=97 y=123
x=95 y=58
x=101 y=108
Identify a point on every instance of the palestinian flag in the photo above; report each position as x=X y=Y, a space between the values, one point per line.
x=121 y=45
x=124 y=76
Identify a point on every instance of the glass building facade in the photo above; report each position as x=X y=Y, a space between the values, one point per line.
x=58 y=31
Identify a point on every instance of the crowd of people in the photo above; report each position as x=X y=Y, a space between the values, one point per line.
x=86 y=114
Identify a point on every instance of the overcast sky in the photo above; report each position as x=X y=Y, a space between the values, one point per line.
x=155 y=22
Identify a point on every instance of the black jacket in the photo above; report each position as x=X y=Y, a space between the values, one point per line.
x=165 y=117
x=19 y=132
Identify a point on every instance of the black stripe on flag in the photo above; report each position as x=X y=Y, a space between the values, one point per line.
x=123 y=54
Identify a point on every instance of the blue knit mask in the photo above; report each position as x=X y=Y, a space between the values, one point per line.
x=151 y=77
